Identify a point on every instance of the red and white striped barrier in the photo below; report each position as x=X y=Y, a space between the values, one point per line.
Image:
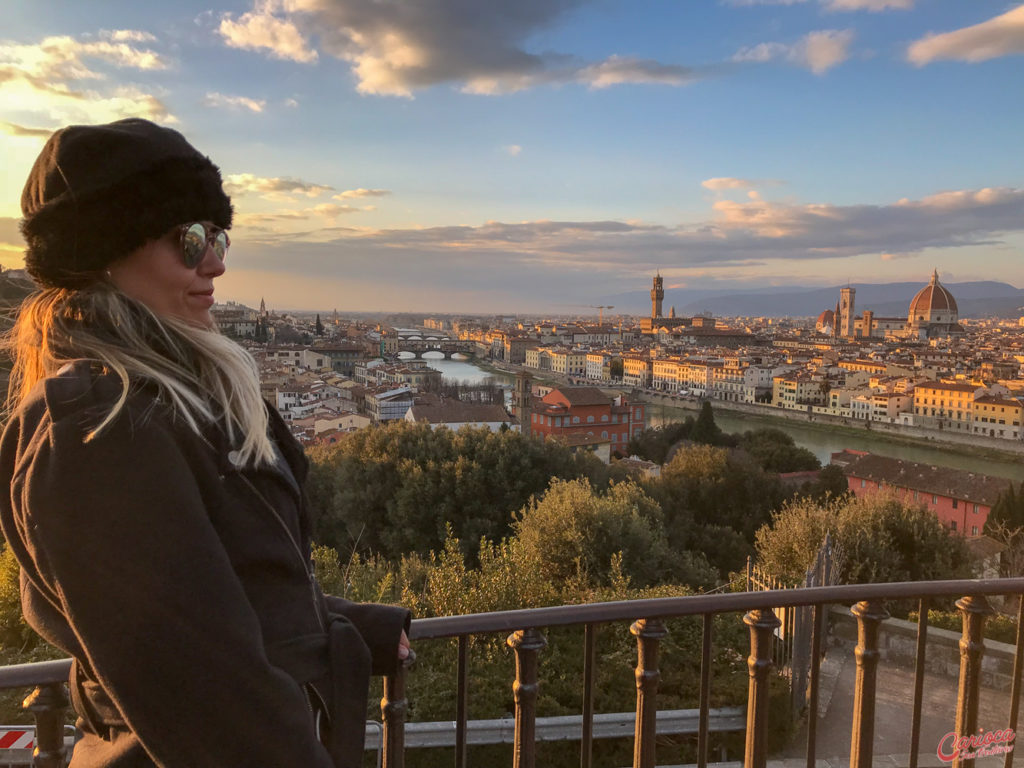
x=23 y=738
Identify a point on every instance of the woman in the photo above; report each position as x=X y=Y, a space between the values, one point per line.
x=156 y=504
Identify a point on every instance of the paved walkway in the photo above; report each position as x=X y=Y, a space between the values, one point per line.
x=893 y=710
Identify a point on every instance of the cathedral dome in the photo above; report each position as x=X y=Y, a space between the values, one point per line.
x=826 y=320
x=933 y=304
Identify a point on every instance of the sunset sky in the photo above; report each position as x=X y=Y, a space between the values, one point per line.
x=532 y=155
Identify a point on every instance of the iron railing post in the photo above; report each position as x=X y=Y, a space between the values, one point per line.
x=762 y=622
x=649 y=633
x=393 y=710
x=972 y=646
x=47 y=704
x=1018 y=662
x=527 y=644
x=870 y=615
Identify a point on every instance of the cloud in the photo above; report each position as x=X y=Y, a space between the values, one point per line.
x=264 y=31
x=11 y=129
x=272 y=188
x=260 y=221
x=723 y=183
x=817 y=51
x=868 y=5
x=512 y=149
x=291 y=103
x=738 y=233
x=61 y=57
x=58 y=81
x=522 y=266
x=618 y=70
x=999 y=36
x=352 y=193
x=233 y=102
x=131 y=35
x=395 y=49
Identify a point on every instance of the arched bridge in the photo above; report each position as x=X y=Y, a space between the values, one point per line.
x=446 y=347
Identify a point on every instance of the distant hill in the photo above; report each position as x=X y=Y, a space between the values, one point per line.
x=986 y=298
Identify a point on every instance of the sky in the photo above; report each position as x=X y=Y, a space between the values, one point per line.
x=545 y=155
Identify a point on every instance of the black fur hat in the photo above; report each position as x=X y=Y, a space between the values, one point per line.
x=98 y=192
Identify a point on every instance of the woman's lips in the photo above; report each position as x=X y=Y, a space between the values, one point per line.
x=204 y=297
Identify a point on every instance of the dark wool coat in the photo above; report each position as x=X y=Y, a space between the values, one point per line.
x=181 y=585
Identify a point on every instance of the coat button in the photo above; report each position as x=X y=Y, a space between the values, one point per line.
x=235 y=458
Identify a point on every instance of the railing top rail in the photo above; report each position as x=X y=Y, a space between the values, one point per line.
x=693 y=605
x=44 y=672
x=35 y=673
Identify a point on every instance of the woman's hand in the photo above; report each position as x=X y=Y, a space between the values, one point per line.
x=403 y=646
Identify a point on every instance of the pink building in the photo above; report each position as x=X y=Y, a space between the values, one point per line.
x=960 y=499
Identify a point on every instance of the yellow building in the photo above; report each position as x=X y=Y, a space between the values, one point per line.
x=996 y=416
x=637 y=370
x=946 y=405
x=665 y=374
x=798 y=391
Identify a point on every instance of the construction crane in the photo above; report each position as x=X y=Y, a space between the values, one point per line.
x=599 y=307
x=600 y=311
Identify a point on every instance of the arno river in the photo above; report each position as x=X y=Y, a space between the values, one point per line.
x=820 y=440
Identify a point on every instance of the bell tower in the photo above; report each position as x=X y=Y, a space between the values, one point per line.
x=522 y=397
x=657 y=294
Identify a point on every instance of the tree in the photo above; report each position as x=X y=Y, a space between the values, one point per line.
x=831 y=483
x=1005 y=524
x=319 y=325
x=776 y=451
x=714 y=500
x=393 y=489
x=576 y=534
x=655 y=443
x=883 y=537
x=704 y=429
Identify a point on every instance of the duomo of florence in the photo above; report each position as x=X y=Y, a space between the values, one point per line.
x=932 y=314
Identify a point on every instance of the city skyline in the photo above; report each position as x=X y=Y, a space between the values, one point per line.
x=539 y=155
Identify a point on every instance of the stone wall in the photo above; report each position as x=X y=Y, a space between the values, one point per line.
x=897 y=642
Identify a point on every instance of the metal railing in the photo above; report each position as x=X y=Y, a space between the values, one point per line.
x=49 y=701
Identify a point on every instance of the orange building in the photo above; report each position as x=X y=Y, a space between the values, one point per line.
x=574 y=411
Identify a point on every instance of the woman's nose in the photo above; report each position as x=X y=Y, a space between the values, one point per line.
x=211 y=264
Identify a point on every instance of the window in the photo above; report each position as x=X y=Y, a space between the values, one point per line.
x=955 y=502
x=590 y=419
x=575 y=419
x=935 y=499
x=862 y=483
x=953 y=525
x=974 y=530
x=605 y=434
x=975 y=509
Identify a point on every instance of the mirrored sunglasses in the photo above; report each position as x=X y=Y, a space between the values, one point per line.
x=196 y=236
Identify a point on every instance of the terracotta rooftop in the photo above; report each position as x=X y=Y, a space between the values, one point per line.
x=944 y=481
x=578 y=396
x=449 y=411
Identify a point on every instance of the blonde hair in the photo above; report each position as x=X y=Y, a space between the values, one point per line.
x=205 y=377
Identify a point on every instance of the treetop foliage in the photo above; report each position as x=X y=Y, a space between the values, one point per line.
x=393 y=489
x=884 y=539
